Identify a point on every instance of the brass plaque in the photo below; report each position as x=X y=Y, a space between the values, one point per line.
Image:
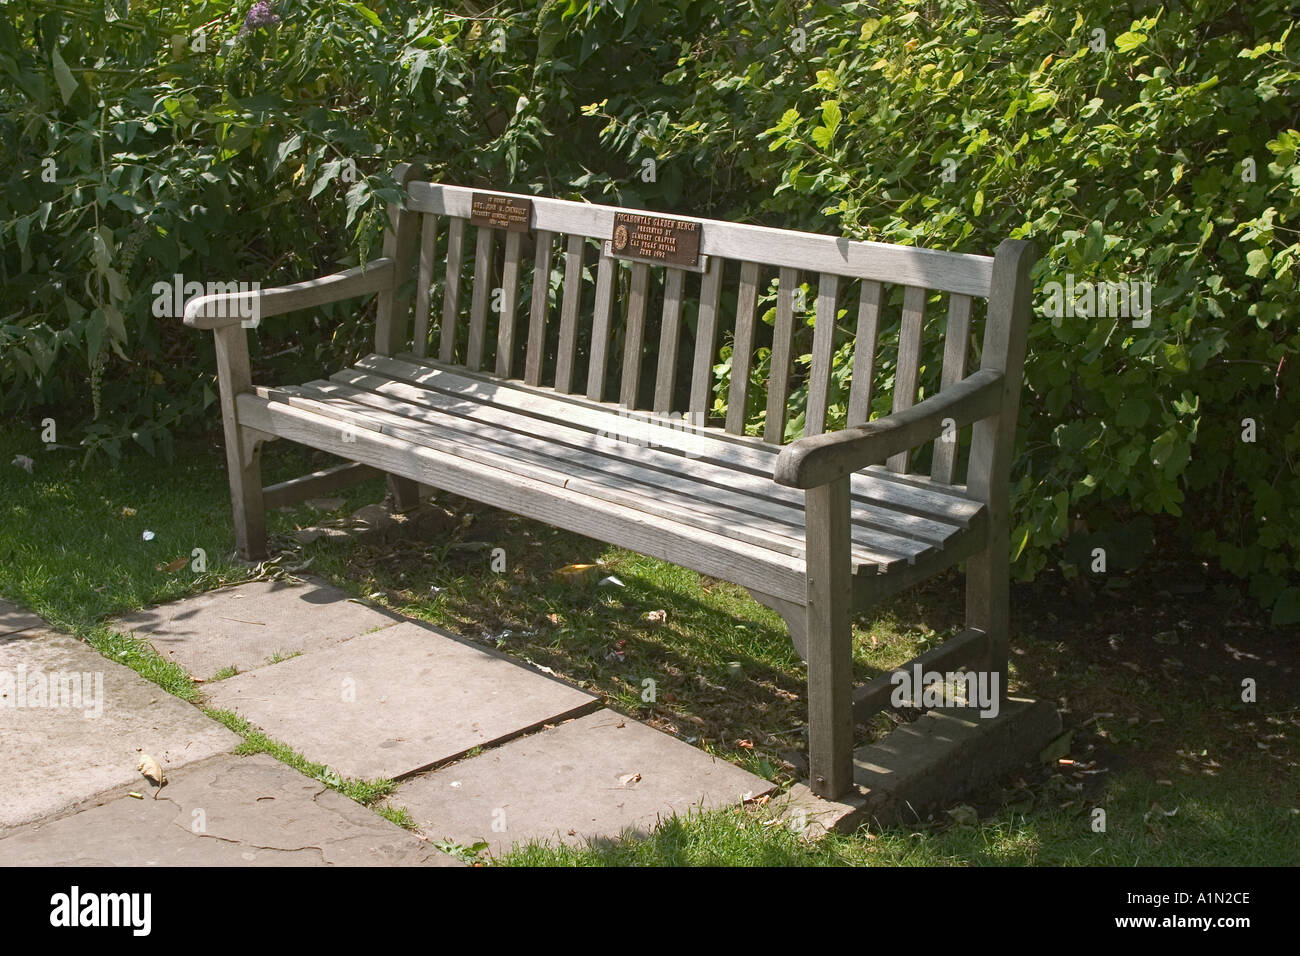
x=511 y=213
x=656 y=239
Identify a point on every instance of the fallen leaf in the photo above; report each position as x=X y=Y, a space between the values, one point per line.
x=964 y=815
x=128 y=512
x=153 y=772
x=657 y=617
x=745 y=744
x=174 y=566
x=628 y=779
x=574 y=572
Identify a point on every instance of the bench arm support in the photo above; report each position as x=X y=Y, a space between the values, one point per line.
x=228 y=308
x=821 y=459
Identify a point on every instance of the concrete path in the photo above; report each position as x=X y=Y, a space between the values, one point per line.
x=487 y=749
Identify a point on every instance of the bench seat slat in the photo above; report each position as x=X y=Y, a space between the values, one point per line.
x=900 y=535
x=942 y=504
x=439 y=463
x=914 y=494
x=622 y=482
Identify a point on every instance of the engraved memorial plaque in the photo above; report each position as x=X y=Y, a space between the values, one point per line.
x=511 y=213
x=656 y=239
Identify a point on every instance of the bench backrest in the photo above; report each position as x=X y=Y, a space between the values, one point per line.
x=469 y=310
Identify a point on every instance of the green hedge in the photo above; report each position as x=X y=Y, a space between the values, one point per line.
x=1127 y=157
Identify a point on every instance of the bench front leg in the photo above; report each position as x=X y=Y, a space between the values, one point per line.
x=243 y=459
x=830 y=639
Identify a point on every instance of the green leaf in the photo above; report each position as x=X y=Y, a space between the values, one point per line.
x=1286 y=609
x=63 y=76
x=1257 y=260
x=1127 y=42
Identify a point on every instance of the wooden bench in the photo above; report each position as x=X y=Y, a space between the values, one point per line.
x=559 y=421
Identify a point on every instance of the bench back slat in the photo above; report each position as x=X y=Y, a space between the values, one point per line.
x=823 y=354
x=600 y=323
x=451 y=291
x=509 y=306
x=484 y=262
x=864 y=353
x=778 y=386
x=670 y=334
x=634 y=334
x=706 y=338
x=424 y=284
x=909 y=360
x=566 y=352
x=742 y=351
x=598 y=352
x=539 y=310
x=943 y=467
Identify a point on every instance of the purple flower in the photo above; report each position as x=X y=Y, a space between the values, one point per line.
x=260 y=14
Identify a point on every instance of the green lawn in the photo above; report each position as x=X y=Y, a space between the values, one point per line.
x=1186 y=774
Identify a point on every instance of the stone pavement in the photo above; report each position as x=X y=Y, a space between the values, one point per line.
x=486 y=749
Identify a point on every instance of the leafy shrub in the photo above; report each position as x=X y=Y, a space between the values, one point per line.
x=1122 y=156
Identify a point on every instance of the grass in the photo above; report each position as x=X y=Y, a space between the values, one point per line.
x=1186 y=773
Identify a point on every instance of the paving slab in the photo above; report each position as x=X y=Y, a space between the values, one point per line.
x=14 y=619
x=225 y=811
x=397 y=701
x=64 y=739
x=245 y=626
x=571 y=783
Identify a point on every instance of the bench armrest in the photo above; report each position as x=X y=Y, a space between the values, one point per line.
x=228 y=308
x=820 y=459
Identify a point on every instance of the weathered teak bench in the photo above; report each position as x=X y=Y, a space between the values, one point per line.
x=818 y=529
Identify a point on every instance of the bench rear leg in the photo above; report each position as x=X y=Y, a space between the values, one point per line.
x=829 y=634
x=405 y=493
x=988 y=598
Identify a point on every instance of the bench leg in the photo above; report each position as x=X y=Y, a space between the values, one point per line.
x=244 y=463
x=829 y=635
x=243 y=450
x=988 y=602
x=405 y=493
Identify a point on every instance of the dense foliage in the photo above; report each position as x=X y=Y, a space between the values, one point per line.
x=1143 y=142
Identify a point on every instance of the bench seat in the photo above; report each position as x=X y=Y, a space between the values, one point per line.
x=699 y=498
